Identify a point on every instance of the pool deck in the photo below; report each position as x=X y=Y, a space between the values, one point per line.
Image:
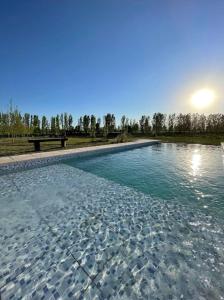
x=5 y=160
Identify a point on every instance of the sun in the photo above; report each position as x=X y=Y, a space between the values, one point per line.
x=203 y=98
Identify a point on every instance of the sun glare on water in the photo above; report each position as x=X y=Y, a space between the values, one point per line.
x=203 y=98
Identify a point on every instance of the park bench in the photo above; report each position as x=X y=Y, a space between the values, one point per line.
x=37 y=141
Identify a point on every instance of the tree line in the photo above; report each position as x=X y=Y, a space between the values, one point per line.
x=13 y=123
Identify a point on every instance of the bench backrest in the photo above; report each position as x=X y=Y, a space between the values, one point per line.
x=33 y=140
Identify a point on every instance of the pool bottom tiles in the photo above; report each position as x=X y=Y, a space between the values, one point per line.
x=68 y=234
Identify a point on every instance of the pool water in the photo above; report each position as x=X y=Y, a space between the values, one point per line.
x=189 y=174
x=138 y=224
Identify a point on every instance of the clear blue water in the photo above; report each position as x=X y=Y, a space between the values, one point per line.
x=189 y=174
x=139 y=224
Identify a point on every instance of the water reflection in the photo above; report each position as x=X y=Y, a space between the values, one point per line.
x=196 y=163
x=190 y=174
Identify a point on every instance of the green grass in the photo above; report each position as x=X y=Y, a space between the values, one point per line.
x=204 y=140
x=21 y=145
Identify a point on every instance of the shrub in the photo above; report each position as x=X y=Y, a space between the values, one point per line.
x=122 y=138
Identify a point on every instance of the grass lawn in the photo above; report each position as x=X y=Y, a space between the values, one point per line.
x=21 y=145
x=205 y=140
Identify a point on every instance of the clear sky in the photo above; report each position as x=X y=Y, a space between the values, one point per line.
x=128 y=57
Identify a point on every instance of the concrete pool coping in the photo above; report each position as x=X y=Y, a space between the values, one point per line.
x=14 y=159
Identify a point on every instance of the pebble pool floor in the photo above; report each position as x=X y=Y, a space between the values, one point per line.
x=69 y=234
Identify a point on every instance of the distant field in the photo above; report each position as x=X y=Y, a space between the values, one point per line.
x=205 y=140
x=21 y=145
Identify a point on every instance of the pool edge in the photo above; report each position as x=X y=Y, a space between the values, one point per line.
x=21 y=161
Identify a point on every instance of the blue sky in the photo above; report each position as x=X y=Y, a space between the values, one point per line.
x=128 y=57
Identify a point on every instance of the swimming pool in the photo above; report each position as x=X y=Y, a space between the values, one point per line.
x=190 y=174
x=138 y=224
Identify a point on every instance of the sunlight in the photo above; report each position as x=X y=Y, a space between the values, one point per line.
x=195 y=163
x=203 y=98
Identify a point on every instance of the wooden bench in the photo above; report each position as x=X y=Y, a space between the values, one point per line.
x=37 y=141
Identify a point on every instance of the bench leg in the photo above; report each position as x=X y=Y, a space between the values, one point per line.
x=63 y=144
x=37 y=146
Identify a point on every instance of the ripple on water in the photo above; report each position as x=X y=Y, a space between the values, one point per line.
x=84 y=235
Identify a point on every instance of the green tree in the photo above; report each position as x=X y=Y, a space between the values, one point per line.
x=26 y=122
x=98 y=125
x=36 y=125
x=16 y=126
x=44 y=125
x=109 y=122
x=62 y=121
x=86 y=123
x=171 y=122
x=93 y=125
x=53 y=125
x=57 y=124
x=5 y=124
x=80 y=124
x=142 y=124
x=135 y=127
x=70 y=122
x=147 y=126
x=159 y=122
x=123 y=122
x=66 y=126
